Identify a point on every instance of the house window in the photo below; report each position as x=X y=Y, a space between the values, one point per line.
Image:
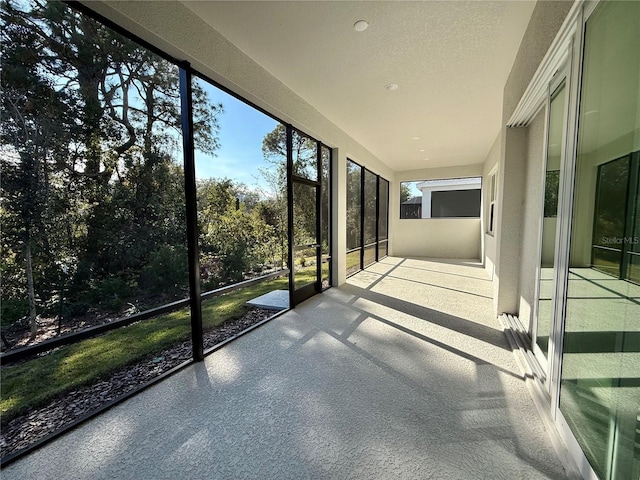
x=444 y=198
x=492 y=202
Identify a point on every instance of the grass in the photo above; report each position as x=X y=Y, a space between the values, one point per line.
x=353 y=261
x=32 y=384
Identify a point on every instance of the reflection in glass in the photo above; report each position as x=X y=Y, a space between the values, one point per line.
x=600 y=385
x=633 y=273
x=610 y=215
x=557 y=119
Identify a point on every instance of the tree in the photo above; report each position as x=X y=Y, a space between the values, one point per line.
x=35 y=129
x=405 y=193
x=92 y=175
x=234 y=236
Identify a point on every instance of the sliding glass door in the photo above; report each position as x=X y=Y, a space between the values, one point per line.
x=557 y=114
x=305 y=211
x=600 y=380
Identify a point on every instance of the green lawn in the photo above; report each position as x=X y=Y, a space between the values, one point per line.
x=353 y=262
x=34 y=383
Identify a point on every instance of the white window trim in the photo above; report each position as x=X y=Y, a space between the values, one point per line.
x=560 y=49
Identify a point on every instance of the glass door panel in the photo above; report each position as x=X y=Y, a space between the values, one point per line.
x=546 y=284
x=600 y=380
x=306 y=246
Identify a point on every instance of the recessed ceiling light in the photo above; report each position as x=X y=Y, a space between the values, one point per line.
x=391 y=87
x=422 y=149
x=415 y=138
x=426 y=158
x=361 y=25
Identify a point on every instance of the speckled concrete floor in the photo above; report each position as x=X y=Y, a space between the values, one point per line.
x=403 y=373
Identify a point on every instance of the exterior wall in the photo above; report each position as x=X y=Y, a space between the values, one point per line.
x=438 y=238
x=534 y=190
x=456 y=237
x=488 y=254
x=176 y=30
x=545 y=22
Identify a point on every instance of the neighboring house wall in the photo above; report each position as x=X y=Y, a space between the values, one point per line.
x=532 y=213
x=434 y=237
x=438 y=238
x=545 y=22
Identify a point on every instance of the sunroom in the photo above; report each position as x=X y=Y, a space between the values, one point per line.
x=177 y=174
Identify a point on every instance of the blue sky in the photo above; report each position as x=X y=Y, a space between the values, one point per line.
x=242 y=129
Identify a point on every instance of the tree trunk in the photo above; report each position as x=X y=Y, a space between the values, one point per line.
x=31 y=291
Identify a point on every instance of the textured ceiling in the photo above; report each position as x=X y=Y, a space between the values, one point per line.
x=450 y=60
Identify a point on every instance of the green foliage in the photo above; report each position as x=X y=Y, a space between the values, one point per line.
x=167 y=271
x=92 y=185
x=236 y=236
x=76 y=309
x=405 y=192
x=112 y=292
x=13 y=309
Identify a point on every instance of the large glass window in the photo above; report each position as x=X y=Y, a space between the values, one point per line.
x=93 y=213
x=354 y=222
x=383 y=218
x=370 y=204
x=367 y=217
x=95 y=201
x=446 y=198
x=600 y=391
x=242 y=201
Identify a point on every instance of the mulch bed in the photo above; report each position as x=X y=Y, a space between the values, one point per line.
x=30 y=427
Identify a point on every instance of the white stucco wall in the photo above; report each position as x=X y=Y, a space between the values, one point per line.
x=433 y=237
x=438 y=238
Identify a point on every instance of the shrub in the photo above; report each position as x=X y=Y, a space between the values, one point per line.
x=111 y=292
x=76 y=309
x=13 y=309
x=167 y=271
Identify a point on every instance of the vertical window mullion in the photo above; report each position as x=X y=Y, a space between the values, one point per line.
x=361 y=218
x=186 y=105
x=377 y=217
x=290 y=212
